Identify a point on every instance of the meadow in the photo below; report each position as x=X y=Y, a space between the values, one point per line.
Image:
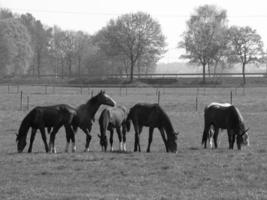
x=191 y=173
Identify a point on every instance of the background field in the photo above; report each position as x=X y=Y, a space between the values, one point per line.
x=192 y=173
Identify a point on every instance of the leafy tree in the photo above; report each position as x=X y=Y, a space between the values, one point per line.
x=246 y=47
x=40 y=37
x=5 y=13
x=132 y=36
x=15 y=48
x=204 y=38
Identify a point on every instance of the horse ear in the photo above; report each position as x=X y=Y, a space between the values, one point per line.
x=99 y=136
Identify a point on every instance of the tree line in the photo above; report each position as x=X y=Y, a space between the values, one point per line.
x=132 y=43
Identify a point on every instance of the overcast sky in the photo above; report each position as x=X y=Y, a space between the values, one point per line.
x=92 y=15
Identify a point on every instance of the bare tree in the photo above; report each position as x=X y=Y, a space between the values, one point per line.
x=247 y=47
x=134 y=36
x=204 y=35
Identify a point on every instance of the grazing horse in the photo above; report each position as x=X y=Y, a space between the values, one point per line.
x=109 y=119
x=152 y=116
x=86 y=114
x=225 y=116
x=46 y=117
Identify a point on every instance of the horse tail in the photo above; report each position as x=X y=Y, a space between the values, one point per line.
x=128 y=120
x=103 y=121
x=205 y=132
x=204 y=137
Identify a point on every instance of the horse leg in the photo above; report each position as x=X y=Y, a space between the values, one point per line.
x=230 y=138
x=150 y=138
x=136 y=129
x=32 y=139
x=111 y=139
x=73 y=140
x=70 y=135
x=120 y=137
x=215 y=137
x=88 y=139
x=52 y=139
x=164 y=138
x=67 y=139
x=42 y=130
x=124 y=137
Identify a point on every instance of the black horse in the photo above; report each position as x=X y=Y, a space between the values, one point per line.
x=109 y=119
x=152 y=116
x=50 y=117
x=86 y=114
x=224 y=116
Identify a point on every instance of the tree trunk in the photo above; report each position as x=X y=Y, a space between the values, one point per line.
x=131 y=75
x=38 y=64
x=79 y=66
x=243 y=72
x=204 y=73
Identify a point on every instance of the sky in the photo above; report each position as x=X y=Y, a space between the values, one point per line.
x=91 y=15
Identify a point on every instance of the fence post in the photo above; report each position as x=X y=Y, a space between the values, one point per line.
x=231 y=97
x=21 y=95
x=28 y=102
x=158 y=97
x=196 y=103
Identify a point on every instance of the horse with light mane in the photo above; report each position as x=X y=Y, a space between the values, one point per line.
x=224 y=116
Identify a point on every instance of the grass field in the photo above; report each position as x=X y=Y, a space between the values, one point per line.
x=192 y=173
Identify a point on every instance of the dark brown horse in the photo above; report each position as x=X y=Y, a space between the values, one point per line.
x=50 y=117
x=86 y=114
x=109 y=119
x=152 y=116
x=224 y=116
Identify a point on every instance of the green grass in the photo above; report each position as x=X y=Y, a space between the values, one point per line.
x=192 y=173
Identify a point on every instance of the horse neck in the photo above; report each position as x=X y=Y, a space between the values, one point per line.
x=168 y=127
x=92 y=108
x=24 y=127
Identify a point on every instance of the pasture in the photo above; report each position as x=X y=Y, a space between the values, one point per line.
x=192 y=173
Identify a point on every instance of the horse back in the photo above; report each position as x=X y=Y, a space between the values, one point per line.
x=147 y=115
x=221 y=117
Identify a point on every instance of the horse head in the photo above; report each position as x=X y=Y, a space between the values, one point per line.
x=105 y=99
x=243 y=139
x=103 y=142
x=172 y=142
x=21 y=143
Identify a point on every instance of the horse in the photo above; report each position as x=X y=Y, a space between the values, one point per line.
x=86 y=115
x=50 y=117
x=225 y=116
x=109 y=119
x=152 y=116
